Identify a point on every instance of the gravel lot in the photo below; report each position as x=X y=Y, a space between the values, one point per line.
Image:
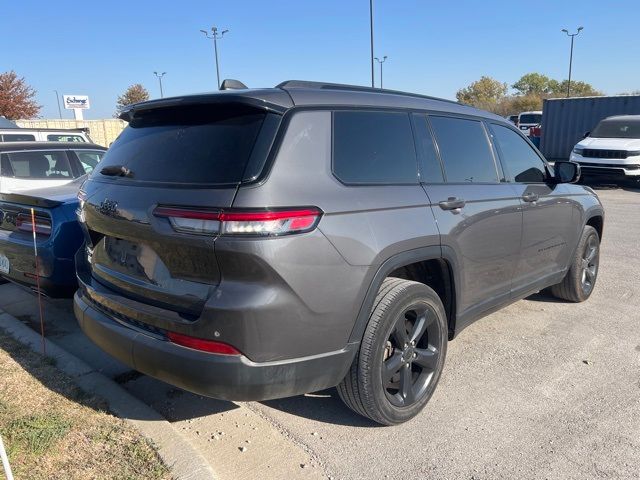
x=541 y=389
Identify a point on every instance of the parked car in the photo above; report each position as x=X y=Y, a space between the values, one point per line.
x=58 y=237
x=258 y=244
x=44 y=135
x=513 y=119
x=526 y=120
x=611 y=150
x=28 y=165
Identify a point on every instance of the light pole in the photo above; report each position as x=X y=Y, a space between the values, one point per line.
x=58 y=103
x=371 y=33
x=571 y=56
x=159 y=76
x=215 y=36
x=384 y=59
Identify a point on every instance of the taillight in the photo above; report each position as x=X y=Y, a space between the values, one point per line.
x=24 y=223
x=202 y=344
x=241 y=222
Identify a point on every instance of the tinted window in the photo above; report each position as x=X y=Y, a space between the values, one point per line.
x=520 y=160
x=531 y=118
x=430 y=169
x=18 y=137
x=41 y=165
x=374 y=147
x=464 y=149
x=64 y=138
x=205 y=144
x=89 y=159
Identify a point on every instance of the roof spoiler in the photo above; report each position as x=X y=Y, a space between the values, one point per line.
x=231 y=84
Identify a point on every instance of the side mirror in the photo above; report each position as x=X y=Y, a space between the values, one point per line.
x=566 y=172
x=586 y=134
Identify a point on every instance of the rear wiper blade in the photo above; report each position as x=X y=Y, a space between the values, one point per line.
x=116 y=171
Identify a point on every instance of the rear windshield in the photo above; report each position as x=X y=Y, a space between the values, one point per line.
x=531 y=118
x=57 y=137
x=206 y=144
x=617 y=129
x=36 y=165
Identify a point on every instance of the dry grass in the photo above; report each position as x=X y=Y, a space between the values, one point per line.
x=53 y=430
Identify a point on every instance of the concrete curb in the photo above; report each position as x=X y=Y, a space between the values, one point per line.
x=184 y=461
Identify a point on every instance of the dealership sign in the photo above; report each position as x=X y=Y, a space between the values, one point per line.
x=72 y=102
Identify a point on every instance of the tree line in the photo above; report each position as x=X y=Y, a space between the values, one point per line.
x=529 y=92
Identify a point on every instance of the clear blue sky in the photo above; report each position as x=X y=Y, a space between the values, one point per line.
x=98 y=48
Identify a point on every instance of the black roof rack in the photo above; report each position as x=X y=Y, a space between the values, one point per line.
x=353 y=88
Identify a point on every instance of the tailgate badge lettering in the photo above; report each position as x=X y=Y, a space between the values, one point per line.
x=108 y=207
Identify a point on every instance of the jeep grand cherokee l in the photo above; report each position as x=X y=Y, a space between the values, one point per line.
x=255 y=244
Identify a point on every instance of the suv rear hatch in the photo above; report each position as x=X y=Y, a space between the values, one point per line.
x=185 y=157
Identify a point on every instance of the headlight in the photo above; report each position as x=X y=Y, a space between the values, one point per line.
x=578 y=151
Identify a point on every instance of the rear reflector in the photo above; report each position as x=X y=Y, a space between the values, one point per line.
x=241 y=222
x=24 y=223
x=201 y=344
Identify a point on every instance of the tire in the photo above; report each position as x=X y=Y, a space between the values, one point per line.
x=580 y=280
x=398 y=394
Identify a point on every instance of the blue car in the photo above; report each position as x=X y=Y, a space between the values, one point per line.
x=58 y=238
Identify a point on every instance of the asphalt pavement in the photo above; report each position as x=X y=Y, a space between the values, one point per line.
x=541 y=389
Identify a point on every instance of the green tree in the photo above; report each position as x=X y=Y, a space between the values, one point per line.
x=535 y=84
x=17 y=98
x=578 y=89
x=485 y=93
x=134 y=94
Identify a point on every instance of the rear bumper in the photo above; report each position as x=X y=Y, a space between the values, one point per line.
x=57 y=275
x=227 y=377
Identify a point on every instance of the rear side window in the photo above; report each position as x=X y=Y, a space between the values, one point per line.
x=518 y=157
x=465 y=150
x=204 y=144
x=37 y=165
x=374 y=148
x=89 y=159
x=56 y=137
x=17 y=137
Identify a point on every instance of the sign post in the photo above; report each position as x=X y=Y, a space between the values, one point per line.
x=77 y=103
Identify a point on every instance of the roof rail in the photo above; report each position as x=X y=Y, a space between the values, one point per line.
x=353 y=88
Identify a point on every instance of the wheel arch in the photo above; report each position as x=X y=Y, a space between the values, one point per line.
x=443 y=255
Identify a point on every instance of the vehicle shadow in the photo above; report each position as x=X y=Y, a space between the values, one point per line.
x=324 y=406
x=545 y=297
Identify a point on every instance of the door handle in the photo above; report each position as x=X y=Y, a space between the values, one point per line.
x=452 y=203
x=530 y=197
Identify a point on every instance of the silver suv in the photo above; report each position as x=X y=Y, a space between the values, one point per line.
x=255 y=244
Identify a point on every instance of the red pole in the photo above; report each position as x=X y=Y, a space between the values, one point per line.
x=35 y=252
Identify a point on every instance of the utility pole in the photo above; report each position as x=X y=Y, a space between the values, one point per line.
x=371 y=32
x=215 y=36
x=159 y=76
x=572 y=35
x=384 y=59
x=58 y=103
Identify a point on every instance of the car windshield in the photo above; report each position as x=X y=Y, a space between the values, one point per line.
x=531 y=118
x=618 y=128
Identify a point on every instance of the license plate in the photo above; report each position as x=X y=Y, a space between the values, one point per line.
x=4 y=264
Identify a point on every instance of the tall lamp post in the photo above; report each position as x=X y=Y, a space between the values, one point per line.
x=58 y=103
x=371 y=34
x=572 y=35
x=384 y=59
x=215 y=36
x=159 y=76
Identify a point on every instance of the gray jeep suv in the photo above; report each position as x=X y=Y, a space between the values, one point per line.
x=255 y=244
